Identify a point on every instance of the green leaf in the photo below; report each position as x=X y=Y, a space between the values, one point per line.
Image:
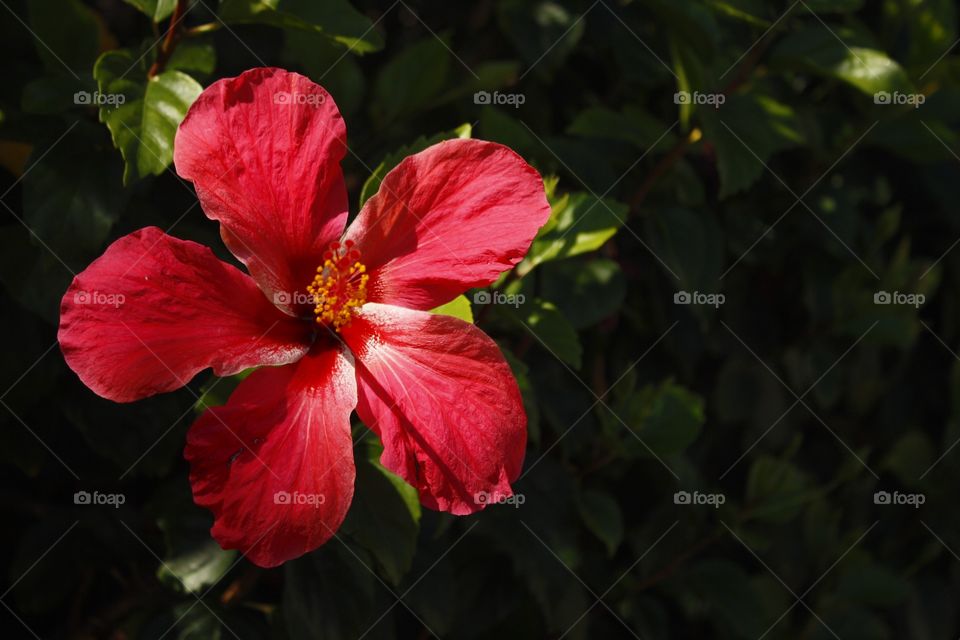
x=602 y=515
x=156 y=10
x=544 y=33
x=498 y=126
x=196 y=565
x=31 y=274
x=53 y=94
x=551 y=329
x=192 y=560
x=844 y=55
x=459 y=307
x=145 y=113
x=372 y=185
x=195 y=56
x=486 y=76
x=859 y=623
x=668 y=418
x=328 y=594
x=216 y=391
x=411 y=80
x=689 y=74
x=325 y=63
x=551 y=513
x=579 y=222
x=384 y=517
x=139 y=440
x=917 y=137
x=749 y=11
x=185 y=619
x=746 y=132
x=197 y=624
x=732 y=600
x=776 y=490
x=746 y=392
x=833 y=6
x=873 y=585
x=585 y=289
x=691 y=243
x=910 y=457
x=67 y=35
x=72 y=198
x=930 y=30
x=687 y=21
x=632 y=124
x=338 y=20
x=530 y=405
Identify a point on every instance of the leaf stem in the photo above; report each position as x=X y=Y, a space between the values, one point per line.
x=169 y=40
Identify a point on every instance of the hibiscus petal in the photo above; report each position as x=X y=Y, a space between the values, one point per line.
x=275 y=464
x=442 y=398
x=263 y=150
x=449 y=218
x=153 y=311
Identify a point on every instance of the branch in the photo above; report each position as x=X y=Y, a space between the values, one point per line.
x=169 y=40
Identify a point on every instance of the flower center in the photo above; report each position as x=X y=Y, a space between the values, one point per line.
x=340 y=285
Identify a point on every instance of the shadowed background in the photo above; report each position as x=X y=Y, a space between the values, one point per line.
x=736 y=338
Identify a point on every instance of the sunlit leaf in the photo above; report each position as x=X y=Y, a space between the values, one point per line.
x=459 y=307
x=156 y=10
x=335 y=19
x=579 y=223
x=142 y=114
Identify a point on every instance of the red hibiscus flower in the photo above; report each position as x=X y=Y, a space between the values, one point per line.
x=335 y=319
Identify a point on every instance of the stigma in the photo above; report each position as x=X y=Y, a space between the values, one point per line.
x=340 y=286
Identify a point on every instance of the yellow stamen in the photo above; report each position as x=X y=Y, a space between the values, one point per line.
x=339 y=286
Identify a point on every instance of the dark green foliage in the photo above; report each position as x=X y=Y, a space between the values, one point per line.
x=774 y=459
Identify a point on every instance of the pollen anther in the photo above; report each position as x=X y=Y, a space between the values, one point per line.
x=340 y=286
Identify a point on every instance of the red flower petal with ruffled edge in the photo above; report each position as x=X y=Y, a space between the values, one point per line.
x=263 y=150
x=449 y=218
x=275 y=465
x=442 y=398
x=153 y=311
